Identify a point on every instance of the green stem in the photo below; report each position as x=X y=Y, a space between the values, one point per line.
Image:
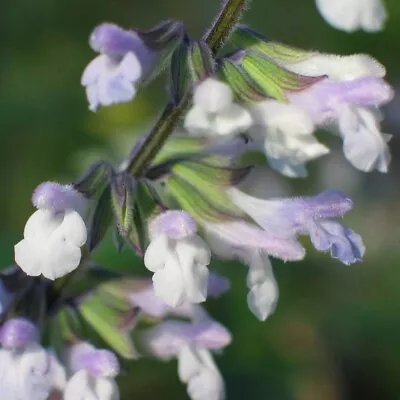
x=225 y=22
x=222 y=27
x=158 y=136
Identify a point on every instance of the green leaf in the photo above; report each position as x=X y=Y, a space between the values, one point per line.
x=65 y=326
x=105 y=314
x=201 y=61
x=101 y=220
x=245 y=88
x=274 y=79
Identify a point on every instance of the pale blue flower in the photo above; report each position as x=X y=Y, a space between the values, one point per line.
x=285 y=219
x=112 y=76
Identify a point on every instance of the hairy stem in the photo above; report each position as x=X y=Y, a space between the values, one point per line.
x=225 y=22
x=222 y=27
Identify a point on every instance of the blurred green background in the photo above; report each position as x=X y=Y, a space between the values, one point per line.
x=336 y=332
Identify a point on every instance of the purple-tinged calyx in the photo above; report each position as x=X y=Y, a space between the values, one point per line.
x=17 y=333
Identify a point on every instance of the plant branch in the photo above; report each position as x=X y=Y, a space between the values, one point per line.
x=222 y=27
x=225 y=22
x=219 y=32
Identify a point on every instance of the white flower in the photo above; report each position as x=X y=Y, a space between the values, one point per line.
x=58 y=372
x=112 y=76
x=191 y=343
x=351 y=15
x=25 y=374
x=51 y=244
x=351 y=110
x=83 y=386
x=214 y=112
x=286 y=134
x=364 y=145
x=179 y=258
x=197 y=369
x=263 y=289
x=93 y=373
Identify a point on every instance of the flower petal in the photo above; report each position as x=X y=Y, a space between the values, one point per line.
x=156 y=252
x=351 y=15
x=169 y=283
x=232 y=120
x=188 y=364
x=60 y=258
x=263 y=295
x=198 y=122
x=340 y=68
x=73 y=228
x=28 y=257
x=363 y=143
x=130 y=67
x=41 y=224
x=213 y=96
x=94 y=70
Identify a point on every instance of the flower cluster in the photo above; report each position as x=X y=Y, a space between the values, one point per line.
x=181 y=207
x=345 y=102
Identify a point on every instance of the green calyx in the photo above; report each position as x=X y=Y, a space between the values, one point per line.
x=201 y=61
x=245 y=38
x=274 y=79
x=246 y=89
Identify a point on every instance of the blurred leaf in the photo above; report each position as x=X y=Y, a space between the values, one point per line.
x=106 y=317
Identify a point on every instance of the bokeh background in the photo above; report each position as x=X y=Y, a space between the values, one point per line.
x=336 y=332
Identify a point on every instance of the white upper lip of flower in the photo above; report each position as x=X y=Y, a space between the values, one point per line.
x=214 y=112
